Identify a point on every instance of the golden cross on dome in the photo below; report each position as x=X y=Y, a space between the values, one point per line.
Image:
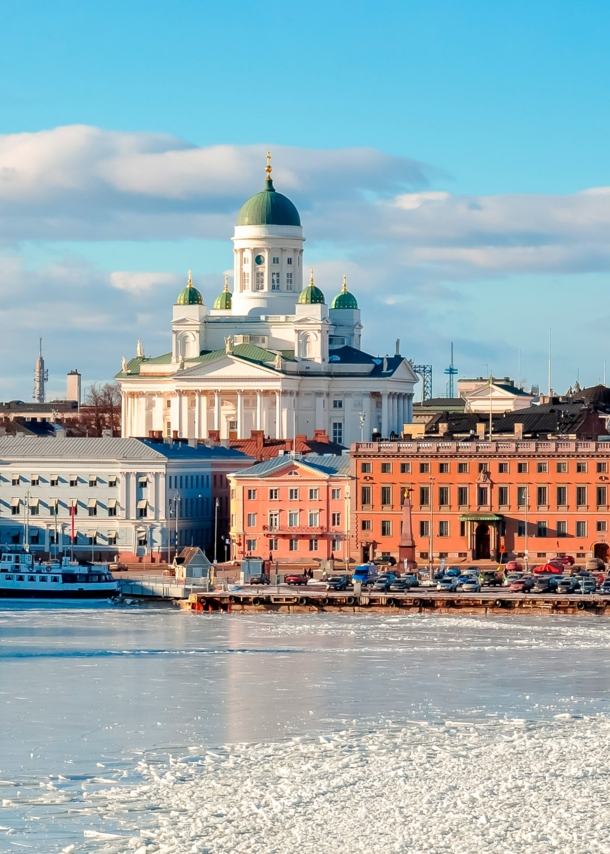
x=226 y=290
x=269 y=167
x=344 y=290
x=311 y=282
x=190 y=280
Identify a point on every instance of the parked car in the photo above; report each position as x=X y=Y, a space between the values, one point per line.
x=399 y=585
x=448 y=584
x=522 y=585
x=260 y=579
x=605 y=588
x=296 y=578
x=462 y=579
x=453 y=572
x=491 y=578
x=337 y=582
x=366 y=574
x=471 y=585
x=510 y=577
x=543 y=584
x=585 y=585
x=566 y=584
x=383 y=581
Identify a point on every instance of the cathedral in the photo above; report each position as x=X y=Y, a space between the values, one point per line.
x=272 y=355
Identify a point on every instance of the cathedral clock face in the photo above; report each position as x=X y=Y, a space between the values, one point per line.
x=260 y=259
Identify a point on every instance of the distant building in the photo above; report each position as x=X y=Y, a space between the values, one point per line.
x=261 y=448
x=109 y=496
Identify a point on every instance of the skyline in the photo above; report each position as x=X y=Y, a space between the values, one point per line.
x=461 y=184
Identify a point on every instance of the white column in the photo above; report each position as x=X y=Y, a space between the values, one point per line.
x=278 y=414
x=367 y=427
x=124 y=433
x=409 y=417
x=259 y=410
x=197 y=415
x=203 y=416
x=319 y=422
x=240 y=414
x=216 y=410
x=384 y=415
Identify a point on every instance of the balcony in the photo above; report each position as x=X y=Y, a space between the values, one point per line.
x=294 y=529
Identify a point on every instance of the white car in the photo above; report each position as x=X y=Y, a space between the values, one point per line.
x=449 y=584
x=471 y=586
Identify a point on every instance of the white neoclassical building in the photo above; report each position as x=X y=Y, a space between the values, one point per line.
x=271 y=356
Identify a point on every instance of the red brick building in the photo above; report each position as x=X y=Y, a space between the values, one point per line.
x=475 y=500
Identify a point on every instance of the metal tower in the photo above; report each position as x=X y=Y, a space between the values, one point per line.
x=425 y=372
x=451 y=372
x=40 y=377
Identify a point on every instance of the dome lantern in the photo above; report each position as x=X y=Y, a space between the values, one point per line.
x=189 y=295
x=344 y=299
x=311 y=295
x=223 y=301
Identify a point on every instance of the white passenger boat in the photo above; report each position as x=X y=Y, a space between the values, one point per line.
x=21 y=577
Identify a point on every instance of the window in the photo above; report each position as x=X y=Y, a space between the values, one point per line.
x=462 y=468
x=462 y=496
x=541 y=496
x=293 y=519
x=112 y=480
x=112 y=506
x=251 y=494
x=92 y=507
x=54 y=480
x=275 y=260
x=503 y=496
x=365 y=495
x=443 y=468
x=338 y=432
x=581 y=529
x=143 y=481
x=15 y=480
x=602 y=467
x=274 y=519
x=443 y=528
x=314 y=518
x=542 y=468
x=273 y=544
x=34 y=507
x=251 y=545
x=481 y=495
x=521 y=468
x=386 y=468
x=520 y=529
x=541 y=529
x=443 y=496
x=314 y=494
x=245 y=277
x=53 y=507
x=92 y=480
x=274 y=495
x=424 y=496
x=424 y=528
x=288 y=281
x=602 y=525
x=293 y=545
x=275 y=281
x=259 y=280
x=335 y=494
x=405 y=468
x=336 y=520
x=562 y=529
x=386 y=496
x=424 y=468
x=141 y=538
x=581 y=468
x=483 y=467
x=293 y=494
x=15 y=506
x=142 y=509
x=562 y=496
x=521 y=495
x=365 y=525
x=335 y=545
x=35 y=480
x=313 y=544
x=462 y=532
x=112 y=538
x=386 y=528
x=337 y=404
x=601 y=494
x=562 y=468
x=503 y=468
x=251 y=520
x=581 y=496
x=289 y=261
x=365 y=468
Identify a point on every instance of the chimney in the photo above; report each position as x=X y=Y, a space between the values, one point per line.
x=258 y=437
x=443 y=428
x=74 y=388
x=518 y=430
x=214 y=436
x=481 y=430
x=320 y=436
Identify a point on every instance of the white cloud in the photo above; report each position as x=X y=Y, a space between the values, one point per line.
x=138 y=282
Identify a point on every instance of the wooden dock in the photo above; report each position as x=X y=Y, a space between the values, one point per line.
x=422 y=601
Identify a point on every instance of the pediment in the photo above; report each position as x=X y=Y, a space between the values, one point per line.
x=227 y=366
x=483 y=392
x=405 y=372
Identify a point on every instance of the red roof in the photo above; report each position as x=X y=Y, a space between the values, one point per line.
x=262 y=448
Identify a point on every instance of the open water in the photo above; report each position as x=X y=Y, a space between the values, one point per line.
x=151 y=730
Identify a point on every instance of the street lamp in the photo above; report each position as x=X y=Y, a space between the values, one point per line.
x=362 y=416
x=431 y=479
x=216 y=503
x=525 y=550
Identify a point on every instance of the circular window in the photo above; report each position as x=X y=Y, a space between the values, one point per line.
x=260 y=259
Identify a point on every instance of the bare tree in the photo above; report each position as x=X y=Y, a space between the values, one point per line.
x=102 y=409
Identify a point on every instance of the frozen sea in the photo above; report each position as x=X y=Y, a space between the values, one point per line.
x=152 y=730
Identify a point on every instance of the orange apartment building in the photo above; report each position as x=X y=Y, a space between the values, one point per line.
x=291 y=508
x=477 y=500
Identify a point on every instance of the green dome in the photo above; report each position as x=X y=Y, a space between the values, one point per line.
x=345 y=299
x=268 y=207
x=224 y=300
x=189 y=295
x=311 y=295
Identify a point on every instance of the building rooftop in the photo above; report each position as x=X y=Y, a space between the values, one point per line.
x=106 y=448
x=321 y=464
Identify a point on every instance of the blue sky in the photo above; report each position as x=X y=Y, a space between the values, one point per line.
x=465 y=201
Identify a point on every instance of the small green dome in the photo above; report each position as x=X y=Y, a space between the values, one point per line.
x=268 y=207
x=224 y=300
x=345 y=299
x=189 y=295
x=311 y=295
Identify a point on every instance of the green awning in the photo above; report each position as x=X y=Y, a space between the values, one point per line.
x=481 y=517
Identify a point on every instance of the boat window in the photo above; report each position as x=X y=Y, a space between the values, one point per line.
x=9 y=577
x=43 y=578
x=20 y=578
x=94 y=578
x=31 y=578
x=69 y=578
x=80 y=578
x=54 y=578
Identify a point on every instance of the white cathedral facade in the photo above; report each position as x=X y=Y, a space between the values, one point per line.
x=271 y=356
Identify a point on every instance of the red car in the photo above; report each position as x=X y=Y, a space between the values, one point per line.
x=521 y=585
x=296 y=578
